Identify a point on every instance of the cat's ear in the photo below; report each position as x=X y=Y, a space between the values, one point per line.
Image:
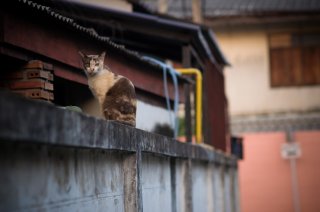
x=82 y=54
x=102 y=55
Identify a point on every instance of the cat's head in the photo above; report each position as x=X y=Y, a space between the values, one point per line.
x=92 y=64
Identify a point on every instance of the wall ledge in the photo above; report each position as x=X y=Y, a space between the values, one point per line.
x=30 y=121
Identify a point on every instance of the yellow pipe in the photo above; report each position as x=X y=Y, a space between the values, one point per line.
x=198 y=75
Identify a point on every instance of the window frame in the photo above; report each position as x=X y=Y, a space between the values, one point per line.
x=291 y=46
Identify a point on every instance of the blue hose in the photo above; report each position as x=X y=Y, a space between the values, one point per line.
x=174 y=120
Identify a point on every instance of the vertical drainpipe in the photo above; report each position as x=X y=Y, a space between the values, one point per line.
x=294 y=177
x=198 y=75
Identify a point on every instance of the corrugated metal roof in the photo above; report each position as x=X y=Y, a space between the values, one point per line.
x=211 y=8
x=149 y=20
x=68 y=20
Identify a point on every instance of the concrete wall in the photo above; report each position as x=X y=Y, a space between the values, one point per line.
x=57 y=160
x=156 y=184
x=147 y=116
x=248 y=84
x=42 y=178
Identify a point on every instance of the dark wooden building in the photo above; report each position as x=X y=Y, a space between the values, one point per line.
x=54 y=32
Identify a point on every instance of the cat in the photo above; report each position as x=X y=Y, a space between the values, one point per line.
x=115 y=93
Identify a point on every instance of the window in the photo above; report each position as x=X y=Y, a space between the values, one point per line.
x=295 y=59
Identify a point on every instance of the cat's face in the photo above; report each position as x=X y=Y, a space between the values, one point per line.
x=92 y=64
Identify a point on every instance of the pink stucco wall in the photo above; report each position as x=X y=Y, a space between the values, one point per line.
x=265 y=177
x=308 y=167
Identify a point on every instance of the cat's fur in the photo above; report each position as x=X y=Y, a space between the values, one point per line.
x=115 y=93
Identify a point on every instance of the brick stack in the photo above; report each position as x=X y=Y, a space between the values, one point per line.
x=34 y=80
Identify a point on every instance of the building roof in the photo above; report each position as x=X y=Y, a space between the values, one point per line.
x=166 y=30
x=214 y=8
x=54 y=14
x=40 y=31
x=93 y=21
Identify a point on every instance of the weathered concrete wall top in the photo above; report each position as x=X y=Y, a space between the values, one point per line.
x=57 y=160
x=41 y=122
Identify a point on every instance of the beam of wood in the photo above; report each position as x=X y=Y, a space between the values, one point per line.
x=196 y=11
x=163 y=6
x=186 y=62
x=68 y=75
x=29 y=39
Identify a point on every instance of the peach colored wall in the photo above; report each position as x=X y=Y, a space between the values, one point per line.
x=308 y=167
x=248 y=78
x=265 y=177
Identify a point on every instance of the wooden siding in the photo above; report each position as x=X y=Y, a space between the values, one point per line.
x=26 y=38
x=215 y=112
